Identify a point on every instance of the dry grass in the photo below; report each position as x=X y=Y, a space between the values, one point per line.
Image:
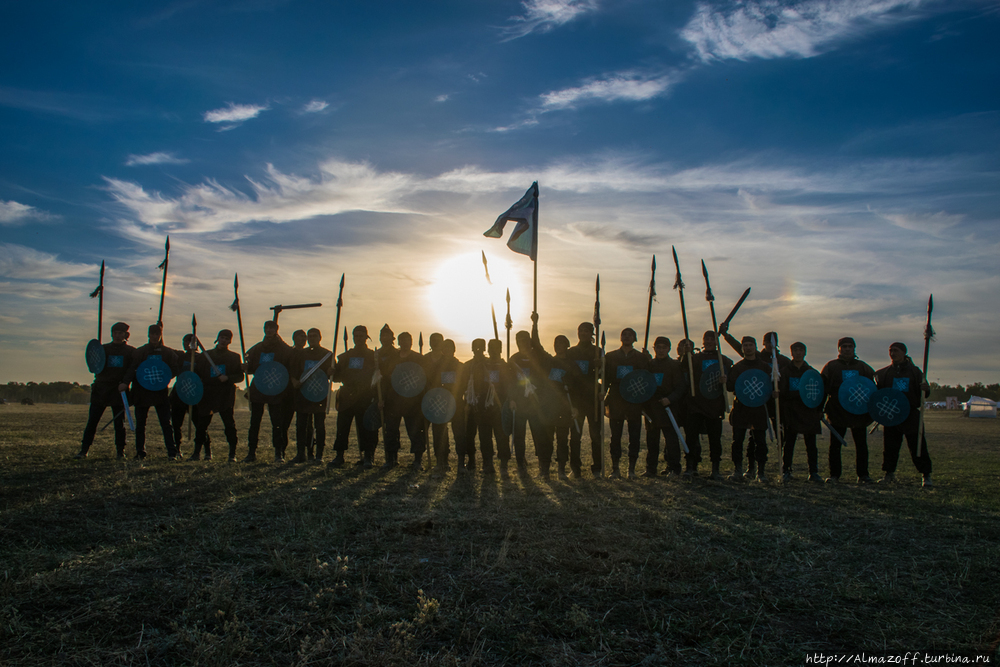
x=107 y=563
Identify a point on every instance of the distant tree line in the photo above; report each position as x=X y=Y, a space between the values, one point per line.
x=940 y=392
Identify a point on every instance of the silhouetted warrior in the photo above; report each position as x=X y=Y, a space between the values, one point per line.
x=585 y=355
x=446 y=373
x=565 y=379
x=705 y=412
x=796 y=417
x=903 y=374
x=178 y=408
x=835 y=373
x=355 y=369
x=399 y=407
x=311 y=415
x=104 y=391
x=270 y=349
x=143 y=399
x=745 y=418
x=671 y=387
x=620 y=363
x=490 y=380
x=220 y=383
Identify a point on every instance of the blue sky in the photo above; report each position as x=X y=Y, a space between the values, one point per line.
x=840 y=157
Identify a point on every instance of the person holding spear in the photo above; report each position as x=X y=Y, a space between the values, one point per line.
x=707 y=407
x=104 y=391
x=220 y=370
x=671 y=388
x=903 y=375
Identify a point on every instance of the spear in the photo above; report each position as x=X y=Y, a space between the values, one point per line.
x=679 y=286
x=928 y=337
x=420 y=343
x=345 y=338
x=336 y=328
x=777 y=399
x=493 y=312
x=600 y=414
x=239 y=321
x=649 y=306
x=194 y=346
x=99 y=293
x=715 y=326
x=163 y=286
x=509 y=324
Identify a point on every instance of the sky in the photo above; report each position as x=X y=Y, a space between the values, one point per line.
x=839 y=157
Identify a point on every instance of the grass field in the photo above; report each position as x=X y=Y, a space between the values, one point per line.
x=211 y=563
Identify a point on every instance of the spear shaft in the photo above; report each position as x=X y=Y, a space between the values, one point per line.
x=336 y=328
x=509 y=324
x=239 y=322
x=598 y=412
x=679 y=286
x=163 y=285
x=649 y=306
x=493 y=312
x=928 y=335
x=715 y=327
x=100 y=304
x=194 y=347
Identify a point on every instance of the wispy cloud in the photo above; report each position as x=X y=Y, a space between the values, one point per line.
x=234 y=113
x=154 y=158
x=544 y=15
x=22 y=262
x=779 y=29
x=621 y=86
x=315 y=106
x=15 y=213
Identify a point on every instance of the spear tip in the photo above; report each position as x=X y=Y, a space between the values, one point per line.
x=654 y=263
x=236 y=281
x=342 y=280
x=167 y=244
x=598 y=281
x=704 y=269
x=674 y=250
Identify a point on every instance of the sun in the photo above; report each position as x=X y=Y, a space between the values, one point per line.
x=460 y=297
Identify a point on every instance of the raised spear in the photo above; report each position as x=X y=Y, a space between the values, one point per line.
x=336 y=328
x=493 y=311
x=775 y=376
x=715 y=327
x=99 y=294
x=163 y=286
x=194 y=347
x=928 y=337
x=649 y=306
x=600 y=413
x=509 y=324
x=235 y=307
x=420 y=342
x=679 y=286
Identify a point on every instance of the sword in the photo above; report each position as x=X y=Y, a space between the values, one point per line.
x=306 y=375
x=509 y=324
x=843 y=442
x=277 y=309
x=128 y=413
x=677 y=429
x=732 y=313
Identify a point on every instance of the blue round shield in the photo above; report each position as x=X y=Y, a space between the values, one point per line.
x=889 y=407
x=811 y=389
x=271 y=378
x=854 y=394
x=189 y=388
x=638 y=386
x=96 y=357
x=153 y=374
x=753 y=388
x=372 y=419
x=438 y=406
x=316 y=387
x=408 y=379
x=507 y=417
x=710 y=385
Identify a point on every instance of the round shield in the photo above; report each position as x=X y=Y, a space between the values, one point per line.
x=96 y=357
x=811 y=389
x=711 y=383
x=373 y=418
x=408 y=379
x=753 y=387
x=889 y=407
x=153 y=374
x=189 y=388
x=438 y=406
x=316 y=387
x=638 y=386
x=507 y=417
x=271 y=378
x=854 y=394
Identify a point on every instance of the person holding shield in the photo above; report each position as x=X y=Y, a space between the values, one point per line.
x=104 y=391
x=620 y=363
x=801 y=393
x=903 y=375
x=584 y=354
x=152 y=366
x=355 y=369
x=407 y=380
x=220 y=371
x=310 y=373
x=750 y=381
x=850 y=410
x=446 y=374
x=268 y=362
x=178 y=408
x=707 y=408
x=671 y=388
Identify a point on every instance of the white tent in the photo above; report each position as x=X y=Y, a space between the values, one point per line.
x=982 y=408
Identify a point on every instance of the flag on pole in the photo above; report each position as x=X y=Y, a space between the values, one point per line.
x=524 y=238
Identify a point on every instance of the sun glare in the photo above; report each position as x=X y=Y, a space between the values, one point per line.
x=460 y=297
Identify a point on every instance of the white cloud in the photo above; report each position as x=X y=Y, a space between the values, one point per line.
x=14 y=213
x=625 y=86
x=154 y=158
x=442 y=98
x=18 y=261
x=234 y=113
x=315 y=106
x=778 y=29
x=544 y=15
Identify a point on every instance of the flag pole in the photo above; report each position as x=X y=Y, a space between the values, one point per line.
x=928 y=337
x=649 y=306
x=679 y=286
x=239 y=322
x=163 y=286
x=715 y=326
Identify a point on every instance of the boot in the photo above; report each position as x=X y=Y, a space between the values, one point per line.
x=251 y=454
x=576 y=472
x=691 y=471
x=488 y=465
x=543 y=469
x=300 y=456
x=208 y=450
x=716 y=475
x=927 y=483
x=737 y=475
x=615 y=472
x=279 y=457
x=631 y=469
x=418 y=462
x=562 y=471
x=751 y=469
x=761 y=474
x=319 y=452
x=338 y=461
x=503 y=469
